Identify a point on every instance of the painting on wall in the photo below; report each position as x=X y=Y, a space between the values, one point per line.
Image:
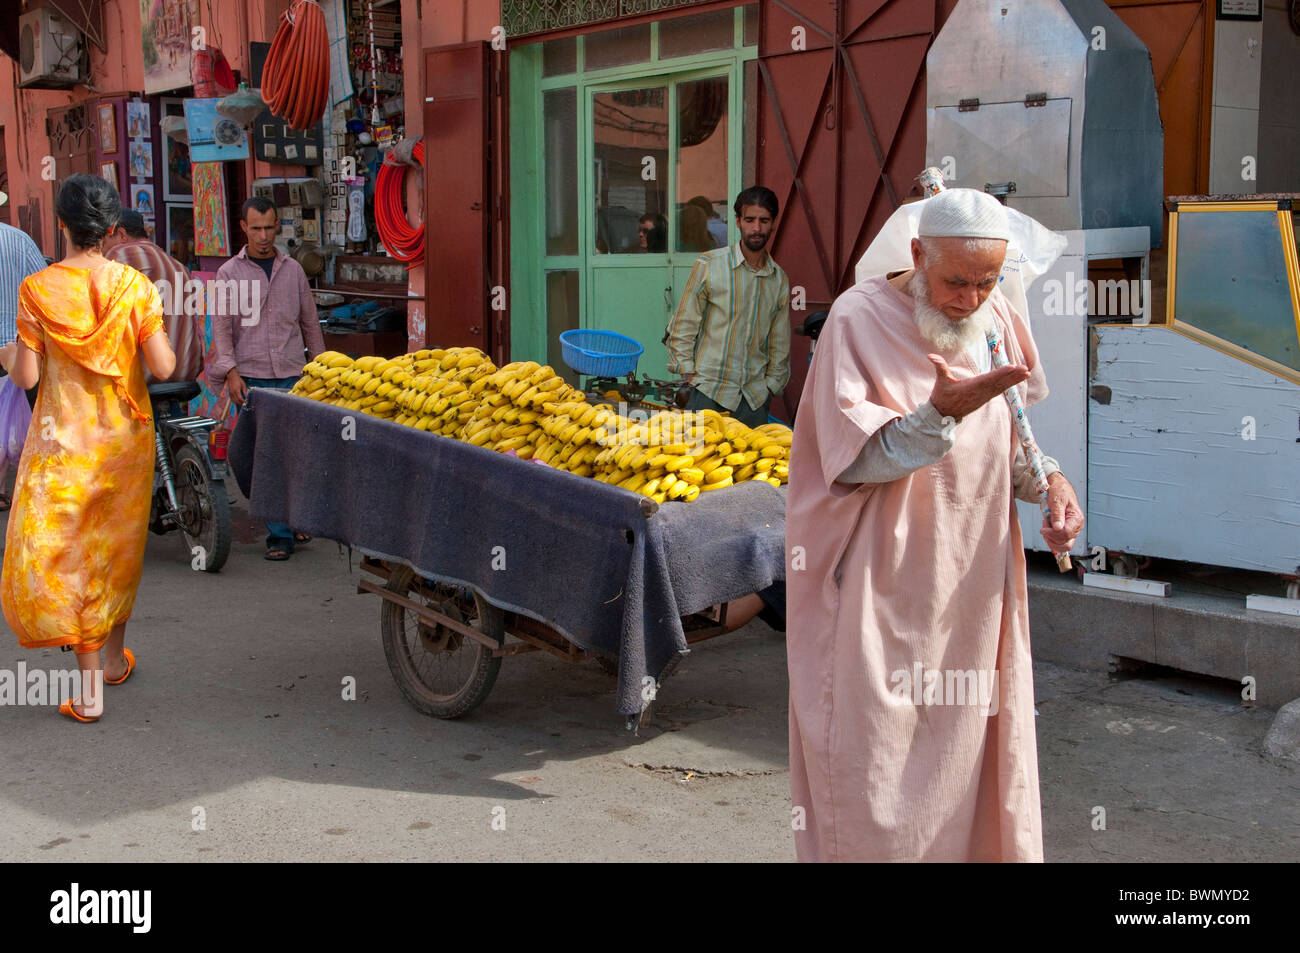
x=142 y=199
x=211 y=225
x=177 y=179
x=107 y=128
x=165 y=40
x=180 y=234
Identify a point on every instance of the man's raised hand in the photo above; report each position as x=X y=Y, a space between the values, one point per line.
x=952 y=397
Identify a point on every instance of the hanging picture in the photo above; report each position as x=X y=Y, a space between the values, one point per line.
x=165 y=40
x=137 y=119
x=211 y=228
x=108 y=172
x=180 y=234
x=141 y=160
x=142 y=199
x=213 y=137
x=107 y=128
x=177 y=184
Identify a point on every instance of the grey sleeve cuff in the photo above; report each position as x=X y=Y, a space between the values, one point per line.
x=1022 y=475
x=901 y=447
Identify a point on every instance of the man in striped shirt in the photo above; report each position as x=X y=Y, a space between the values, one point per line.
x=129 y=243
x=730 y=335
x=19 y=257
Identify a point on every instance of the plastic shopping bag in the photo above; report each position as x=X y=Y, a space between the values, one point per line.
x=15 y=418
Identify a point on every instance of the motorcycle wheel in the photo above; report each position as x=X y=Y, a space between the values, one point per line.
x=204 y=511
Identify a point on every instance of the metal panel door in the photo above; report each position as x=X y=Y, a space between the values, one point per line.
x=457 y=239
x=841 y=135
x=1180 y=36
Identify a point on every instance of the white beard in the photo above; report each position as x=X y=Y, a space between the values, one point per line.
x=948 y=336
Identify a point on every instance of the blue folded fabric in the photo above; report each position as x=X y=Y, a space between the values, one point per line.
x=592 y=561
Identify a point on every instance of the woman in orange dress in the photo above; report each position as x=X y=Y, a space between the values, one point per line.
x=74 y=550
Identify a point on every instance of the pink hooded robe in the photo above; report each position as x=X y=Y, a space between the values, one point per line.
x=889 y=581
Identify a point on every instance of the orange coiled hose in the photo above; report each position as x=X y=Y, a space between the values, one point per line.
x=403 y=241
x=296 y=77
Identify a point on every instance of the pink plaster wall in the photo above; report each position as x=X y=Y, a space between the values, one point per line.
x=231 y=24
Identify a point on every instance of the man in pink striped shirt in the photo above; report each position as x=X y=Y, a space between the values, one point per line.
x=268 y=346
x=129 y=243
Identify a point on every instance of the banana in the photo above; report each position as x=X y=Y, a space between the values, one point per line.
x=716 y=486
x=690 y=475
x=741 y=459
x=334 y=359
x=773 y=451
x=763 y=464
x=717 y=475
x=691 y=494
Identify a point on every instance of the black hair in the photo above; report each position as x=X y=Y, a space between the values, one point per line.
x=132 y=222
x=89 y=207
x=258 y=203
x=757 y=195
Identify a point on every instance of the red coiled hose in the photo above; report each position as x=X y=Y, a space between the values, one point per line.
x=403 y=241
x=296 y=77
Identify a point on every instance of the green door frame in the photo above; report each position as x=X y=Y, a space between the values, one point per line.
x=529 y=261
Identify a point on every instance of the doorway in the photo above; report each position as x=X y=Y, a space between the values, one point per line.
x=627 y=149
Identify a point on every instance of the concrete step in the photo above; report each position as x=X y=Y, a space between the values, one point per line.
x=1199 y=628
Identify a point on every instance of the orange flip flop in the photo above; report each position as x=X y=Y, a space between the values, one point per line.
x=130 y=667
x=66 y=709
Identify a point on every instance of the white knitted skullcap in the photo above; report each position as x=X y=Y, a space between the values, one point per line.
x=963 y=213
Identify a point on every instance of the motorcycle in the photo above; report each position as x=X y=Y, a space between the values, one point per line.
x=189 y=479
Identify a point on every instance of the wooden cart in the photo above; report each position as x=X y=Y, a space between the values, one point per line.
x=445 y=643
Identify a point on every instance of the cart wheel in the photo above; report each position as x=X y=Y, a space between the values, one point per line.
x=440 y=671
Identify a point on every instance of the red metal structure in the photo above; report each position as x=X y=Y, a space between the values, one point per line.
x=841 y=133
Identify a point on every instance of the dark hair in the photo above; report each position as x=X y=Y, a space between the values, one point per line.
x=757 y=195
x=258 y=203
x=132 y=222
x=89 y=207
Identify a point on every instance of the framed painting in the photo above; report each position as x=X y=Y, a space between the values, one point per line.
x=107 y=128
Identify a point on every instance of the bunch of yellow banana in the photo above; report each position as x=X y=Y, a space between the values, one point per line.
x=676 y=456
x=436 y=395
x=525 y=407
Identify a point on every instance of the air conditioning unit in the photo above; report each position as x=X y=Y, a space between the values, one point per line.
x=50 y=50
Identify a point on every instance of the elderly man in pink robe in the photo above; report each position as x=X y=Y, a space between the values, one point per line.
x=911 y=687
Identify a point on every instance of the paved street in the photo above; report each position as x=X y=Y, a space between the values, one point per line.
x=236 y=709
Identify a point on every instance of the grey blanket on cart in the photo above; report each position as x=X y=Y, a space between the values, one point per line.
x=568 y=551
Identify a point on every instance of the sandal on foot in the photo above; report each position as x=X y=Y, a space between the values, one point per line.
x=130 y=667
x=65 y=708
x=277 y=555
x=302 y=537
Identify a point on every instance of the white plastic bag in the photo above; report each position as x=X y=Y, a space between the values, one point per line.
x=1032 y=250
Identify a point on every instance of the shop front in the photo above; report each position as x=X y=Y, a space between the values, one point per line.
x=628 y=146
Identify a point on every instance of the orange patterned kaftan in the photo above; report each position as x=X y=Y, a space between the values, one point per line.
x=74 y=550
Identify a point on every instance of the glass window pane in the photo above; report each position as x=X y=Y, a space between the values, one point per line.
x=560 y=147
x=702 y=164
x=561 y=315
x=751 y=25
x=1231 y=281
x=630 y=169
x=628 y=44
x=682 y=36
x=560 y=57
